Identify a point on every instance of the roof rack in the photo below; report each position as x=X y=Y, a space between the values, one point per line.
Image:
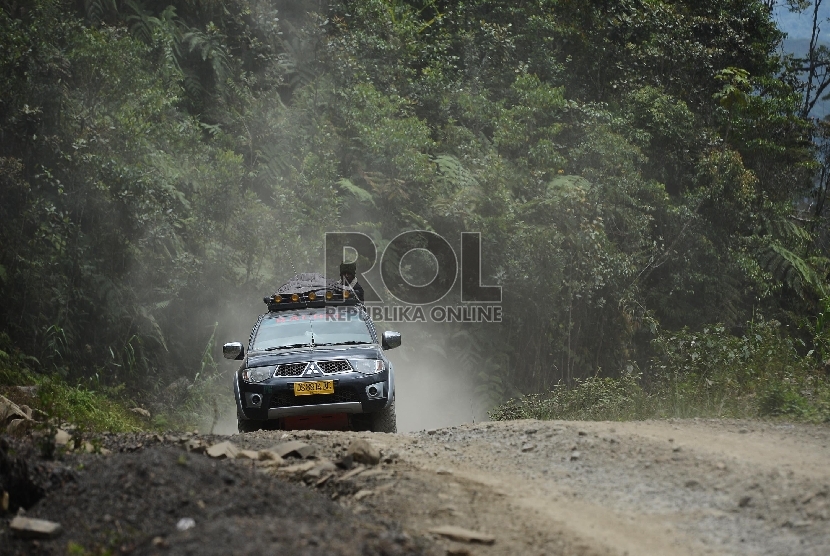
x=310 y=289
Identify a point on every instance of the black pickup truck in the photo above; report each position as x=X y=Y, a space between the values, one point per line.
x=314 y=360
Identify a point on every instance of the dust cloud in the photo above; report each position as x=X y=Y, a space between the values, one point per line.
x=234 y=325
x=226 y=421
x=430 y=390
x=429 y=397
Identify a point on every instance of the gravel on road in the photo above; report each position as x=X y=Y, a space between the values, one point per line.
x=690 y=487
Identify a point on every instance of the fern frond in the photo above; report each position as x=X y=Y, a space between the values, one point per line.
x=459 y=190
x=804 y=276
x=454 y=173
x=142 y=23
x=360 y=194
x=192 y=85
x=211 y=50
x=298 y=58
x=96 y=9
x=788 y=231
x=274 y=163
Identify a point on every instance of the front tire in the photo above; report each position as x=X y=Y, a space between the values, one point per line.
x=385 y=419
x=246 y=425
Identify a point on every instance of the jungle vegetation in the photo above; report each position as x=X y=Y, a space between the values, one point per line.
x=645 y=175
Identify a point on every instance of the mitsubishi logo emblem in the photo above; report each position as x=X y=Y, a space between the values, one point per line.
x=312 y=370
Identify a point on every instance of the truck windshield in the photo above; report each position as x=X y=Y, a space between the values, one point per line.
x=326 y=326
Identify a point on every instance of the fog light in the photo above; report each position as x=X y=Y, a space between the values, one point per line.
x=375 y=391
x=252 y=399
x=312 y=296
x=294 y=297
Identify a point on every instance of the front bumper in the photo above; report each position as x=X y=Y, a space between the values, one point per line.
x=277 y=400
x=318 y=409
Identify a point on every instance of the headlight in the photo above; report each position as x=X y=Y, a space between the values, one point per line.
x=367 y=366
x=257 y=374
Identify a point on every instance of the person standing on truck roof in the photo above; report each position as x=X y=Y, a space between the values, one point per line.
x=348 y=279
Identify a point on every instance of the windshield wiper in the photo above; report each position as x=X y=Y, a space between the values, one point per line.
x=272 y=348
x=349 y=343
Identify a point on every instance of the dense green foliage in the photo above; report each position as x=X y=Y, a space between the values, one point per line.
x=704 y=374
x=634 y=167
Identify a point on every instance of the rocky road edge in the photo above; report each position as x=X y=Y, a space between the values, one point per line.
x=124 y=492
x=186 y=493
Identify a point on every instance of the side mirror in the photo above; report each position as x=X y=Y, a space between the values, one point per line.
x=234 y=350
x=390 y=339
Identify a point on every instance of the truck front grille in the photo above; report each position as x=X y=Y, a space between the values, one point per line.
x=331 y=367
x=291 y=369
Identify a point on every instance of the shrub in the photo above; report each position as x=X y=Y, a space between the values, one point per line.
x=591 y=398
x=710 y=373
x=88 y=409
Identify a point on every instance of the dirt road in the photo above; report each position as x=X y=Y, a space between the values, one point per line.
x=637 y=488
x=641 y=488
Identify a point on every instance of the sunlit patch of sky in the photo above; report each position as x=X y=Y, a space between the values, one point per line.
x=798 y=27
